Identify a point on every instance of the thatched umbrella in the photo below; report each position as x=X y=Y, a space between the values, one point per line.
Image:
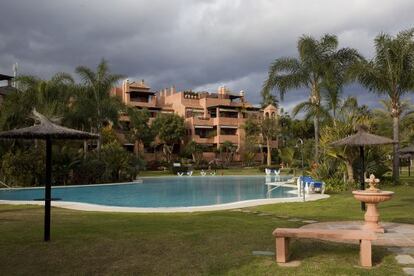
x=363 y=138
x=46 y=130
x=407 y=152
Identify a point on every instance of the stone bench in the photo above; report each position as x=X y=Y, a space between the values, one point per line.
x=283 y=236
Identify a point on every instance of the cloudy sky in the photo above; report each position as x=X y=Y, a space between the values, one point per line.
x=190 y=44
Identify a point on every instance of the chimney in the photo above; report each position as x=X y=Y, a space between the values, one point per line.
x=142 y=82
x=222 y=90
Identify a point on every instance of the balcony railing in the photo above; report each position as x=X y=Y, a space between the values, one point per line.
x=231 y=138
x=228 y=121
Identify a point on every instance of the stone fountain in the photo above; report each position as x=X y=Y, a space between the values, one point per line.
x=372 y=196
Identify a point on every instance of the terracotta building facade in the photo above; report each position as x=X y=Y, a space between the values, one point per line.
x=211 y=118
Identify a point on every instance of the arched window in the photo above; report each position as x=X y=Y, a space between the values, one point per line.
x=273 y=115
x=267 y=114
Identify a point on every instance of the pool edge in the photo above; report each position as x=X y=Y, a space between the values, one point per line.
x=218 y=207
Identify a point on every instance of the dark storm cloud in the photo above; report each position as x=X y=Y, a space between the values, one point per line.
x=190 y=44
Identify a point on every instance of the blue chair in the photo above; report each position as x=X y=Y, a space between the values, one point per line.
x=311 y=184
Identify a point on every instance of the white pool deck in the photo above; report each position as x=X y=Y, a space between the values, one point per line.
x=80 y=206
x=217 y=207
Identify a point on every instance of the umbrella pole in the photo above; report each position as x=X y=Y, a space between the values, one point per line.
x=48 y=188
x=362 y=180
x=409 y=166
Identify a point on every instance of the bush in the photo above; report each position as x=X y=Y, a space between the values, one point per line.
x=89 y=171
x=333 y=185
x=24 y=167
x=176 y=170
x=153 y=165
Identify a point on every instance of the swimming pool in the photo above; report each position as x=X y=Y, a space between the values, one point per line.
x=162 y=192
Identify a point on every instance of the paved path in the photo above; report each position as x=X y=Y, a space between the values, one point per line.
x=396 y=234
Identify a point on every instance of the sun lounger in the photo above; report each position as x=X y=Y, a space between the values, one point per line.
x=190 y=173
x=310 y=185
x=180 y=173
x=268 y=171
x=203 y=173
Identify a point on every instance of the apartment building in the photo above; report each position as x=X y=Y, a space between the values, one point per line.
x=210 y=118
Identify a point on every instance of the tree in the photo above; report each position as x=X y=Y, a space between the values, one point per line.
x=227 y=150
x=195 y=151
x=349 y=116
x=316 y=63
x=390 y=73
x=269 y=129
x=253 y=135
x=140 y=129
x=170 y=130
x=263 y=130
x=94 y=105
x=50 y=97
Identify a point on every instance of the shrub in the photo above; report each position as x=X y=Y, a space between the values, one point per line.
x=89 y=171
x=333 y=185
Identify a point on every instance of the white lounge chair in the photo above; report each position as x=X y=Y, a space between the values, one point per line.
x=190 y=173
x=203 y=173
x=180 y=173
x=268 y=171
x=213 y=173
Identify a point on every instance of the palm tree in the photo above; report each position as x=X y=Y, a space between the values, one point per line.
x=94 y=101
x=317 y=62
x=50 y=97
x=349 y=115
x=390 y=73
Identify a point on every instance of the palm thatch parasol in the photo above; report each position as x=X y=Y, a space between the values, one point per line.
x=363 y=138
x=46 y=130
x=407 y=152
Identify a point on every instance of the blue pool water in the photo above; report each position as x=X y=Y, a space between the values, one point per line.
x=161 y=192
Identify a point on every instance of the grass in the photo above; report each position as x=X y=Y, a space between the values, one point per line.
x=187 y=244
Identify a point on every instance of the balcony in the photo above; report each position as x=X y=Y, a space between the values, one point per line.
x=229 y=121
x=202 y=121
x=142 y=102
x=231 y=138
x=200 y=140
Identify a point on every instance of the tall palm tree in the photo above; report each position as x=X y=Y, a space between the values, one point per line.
x=95 y=101
x=317 y=61
x=390 y=73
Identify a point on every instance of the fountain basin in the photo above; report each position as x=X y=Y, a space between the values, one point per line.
x=371 y=199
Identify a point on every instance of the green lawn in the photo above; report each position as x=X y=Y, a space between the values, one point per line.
x=187 y=244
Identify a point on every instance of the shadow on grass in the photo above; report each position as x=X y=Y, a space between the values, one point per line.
x=322 y=252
